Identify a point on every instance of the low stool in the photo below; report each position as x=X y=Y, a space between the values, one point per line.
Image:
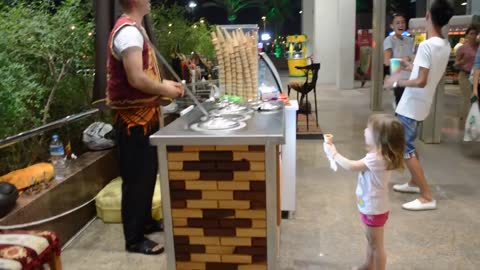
x=29 y=250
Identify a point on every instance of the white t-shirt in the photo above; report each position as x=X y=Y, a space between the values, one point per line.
x=372 y=186
x=400 y=48
x=127 y=37
x=432 y=54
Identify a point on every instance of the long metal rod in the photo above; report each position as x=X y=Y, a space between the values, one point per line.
x=39 y=130
x=175 y=75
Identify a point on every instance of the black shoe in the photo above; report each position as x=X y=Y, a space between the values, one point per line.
x=146 y=246
x=154 y=227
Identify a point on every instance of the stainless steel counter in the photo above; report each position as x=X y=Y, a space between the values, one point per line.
x=263 y=127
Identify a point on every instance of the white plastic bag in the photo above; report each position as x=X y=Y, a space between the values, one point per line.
x=472 y=126
x=97 y=136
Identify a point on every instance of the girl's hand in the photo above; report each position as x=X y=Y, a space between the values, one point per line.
x=329 y=149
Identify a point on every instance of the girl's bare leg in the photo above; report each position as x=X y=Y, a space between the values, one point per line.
x=376 y=256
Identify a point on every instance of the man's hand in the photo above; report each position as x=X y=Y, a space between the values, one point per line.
x=329 y=149
x=388 y=83
x=406 y=64
x=172 y=89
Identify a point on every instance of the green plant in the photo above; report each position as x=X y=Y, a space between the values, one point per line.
x=176 y=34
x=43 y=50
x=233 y=7
x=278 y=13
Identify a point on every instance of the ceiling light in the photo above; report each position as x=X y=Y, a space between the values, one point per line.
x=266 y=36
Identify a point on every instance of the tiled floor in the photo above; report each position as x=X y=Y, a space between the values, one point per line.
x=326 y=232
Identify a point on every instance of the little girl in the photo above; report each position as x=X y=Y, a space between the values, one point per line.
x=385 y=142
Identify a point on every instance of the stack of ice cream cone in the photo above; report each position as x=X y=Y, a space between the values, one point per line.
x=238 y=62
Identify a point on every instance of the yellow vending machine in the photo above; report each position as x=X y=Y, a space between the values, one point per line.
x=296 y=54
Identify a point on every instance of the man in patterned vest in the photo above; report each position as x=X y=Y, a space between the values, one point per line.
x=135 y=90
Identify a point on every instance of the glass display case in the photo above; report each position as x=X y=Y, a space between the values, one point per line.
x=267 y=73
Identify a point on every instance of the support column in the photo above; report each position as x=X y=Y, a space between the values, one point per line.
x=308 y=24
x=346 y=44
x=473 y=7
x=103 y=24
x=325 y=39
x=330 y=26
x=379 y=17
x=421 y=8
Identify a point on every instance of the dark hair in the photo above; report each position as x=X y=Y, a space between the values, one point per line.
x=471 y=28
x=389 y=136
x=398 y=14
x=441 y=11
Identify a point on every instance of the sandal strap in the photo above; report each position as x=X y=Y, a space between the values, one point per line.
x=146 y=246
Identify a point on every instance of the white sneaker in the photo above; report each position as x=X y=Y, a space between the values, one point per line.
x=417 y=205
x=406 y=188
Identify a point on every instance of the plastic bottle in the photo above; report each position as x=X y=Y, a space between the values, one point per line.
x=57 y=155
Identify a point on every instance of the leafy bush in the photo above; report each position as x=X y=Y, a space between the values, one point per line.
x=46 y=52
x=173 y=30
x=43 y=50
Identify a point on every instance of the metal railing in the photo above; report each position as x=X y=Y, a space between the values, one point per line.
x=40 y=130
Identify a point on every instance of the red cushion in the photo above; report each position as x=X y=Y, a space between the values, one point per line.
x=32 y=254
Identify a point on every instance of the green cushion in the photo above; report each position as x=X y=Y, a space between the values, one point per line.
x=109 y=201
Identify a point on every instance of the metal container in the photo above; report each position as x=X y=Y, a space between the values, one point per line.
x=218 y=123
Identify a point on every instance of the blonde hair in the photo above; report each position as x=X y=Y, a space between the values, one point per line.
x=389 y=138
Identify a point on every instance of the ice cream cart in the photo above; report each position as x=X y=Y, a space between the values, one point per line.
x=296 y=54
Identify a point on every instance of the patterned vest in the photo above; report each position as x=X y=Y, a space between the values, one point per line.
x=120 y=94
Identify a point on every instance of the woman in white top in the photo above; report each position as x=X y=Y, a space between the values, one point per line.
x=385 y=142
x=464 y=61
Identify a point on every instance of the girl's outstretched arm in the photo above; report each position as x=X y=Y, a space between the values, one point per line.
x=349 y=165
